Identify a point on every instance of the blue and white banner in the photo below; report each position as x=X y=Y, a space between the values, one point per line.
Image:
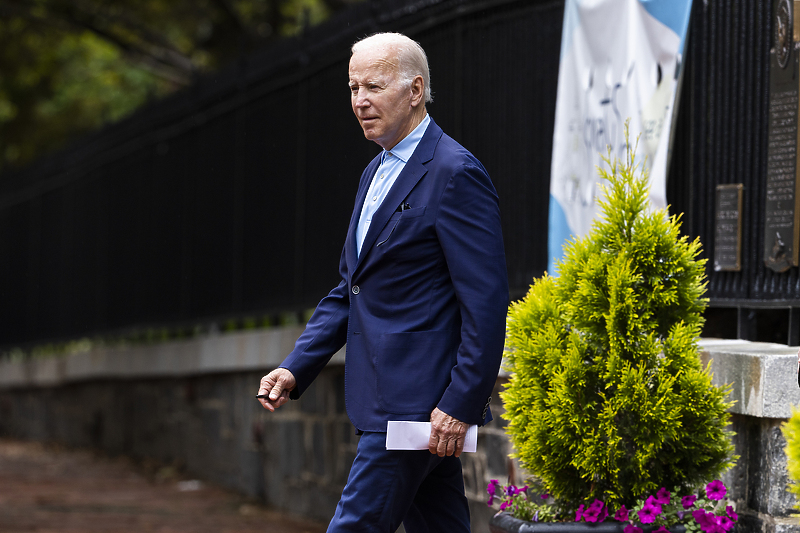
x=620 y=59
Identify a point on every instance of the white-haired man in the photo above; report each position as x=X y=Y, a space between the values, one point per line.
x=421 y=304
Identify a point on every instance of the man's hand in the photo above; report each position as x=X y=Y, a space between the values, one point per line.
x=277 y=384
x=447 y=434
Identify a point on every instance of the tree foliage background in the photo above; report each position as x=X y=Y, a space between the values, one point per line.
x=70 y=66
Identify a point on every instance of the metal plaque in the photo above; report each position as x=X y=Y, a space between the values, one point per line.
x=728 y=228
x=782 y=206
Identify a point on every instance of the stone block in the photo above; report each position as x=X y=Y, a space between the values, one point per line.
x=495 y=447
x=291 y=450
x=312 y=400
x=763 y=376
x=318 y=445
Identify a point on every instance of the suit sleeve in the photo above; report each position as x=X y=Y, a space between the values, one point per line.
x=324 y=335
x=469 y=232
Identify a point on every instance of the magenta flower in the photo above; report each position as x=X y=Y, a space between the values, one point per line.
x=726 y=523
x=491 y=488
x=688 y=501
x=653 y=502
x=716 y=490
x=621 y=514
x=662 y=529
x=704 y=520
x=596 y=512
x=649 y=513
x=512 y=490
x=731 y=513
x=663 y=496
x=632 y=529
x=504 y=505
x=545 y=495
x=579 y=513
x=699 y=516
x=715 y=528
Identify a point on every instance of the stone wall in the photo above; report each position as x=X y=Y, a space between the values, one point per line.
x=190 y=403
x=763 y=379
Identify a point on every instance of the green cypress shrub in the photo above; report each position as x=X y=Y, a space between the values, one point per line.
x=607 y=396
x=791 y=431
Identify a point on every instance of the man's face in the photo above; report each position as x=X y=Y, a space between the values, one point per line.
x=383 y=103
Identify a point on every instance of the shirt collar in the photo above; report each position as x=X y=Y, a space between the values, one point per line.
x=406 y=147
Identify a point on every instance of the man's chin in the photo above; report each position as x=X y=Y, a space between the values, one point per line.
x=370 y=135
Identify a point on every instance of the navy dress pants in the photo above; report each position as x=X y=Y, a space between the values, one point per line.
x=423 y=491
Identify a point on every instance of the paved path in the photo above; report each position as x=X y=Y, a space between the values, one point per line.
x=50 y=489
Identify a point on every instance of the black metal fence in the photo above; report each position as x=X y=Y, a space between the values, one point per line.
x=721 y=138
x=232 y=199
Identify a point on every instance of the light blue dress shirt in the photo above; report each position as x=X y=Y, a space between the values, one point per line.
x=392 y=164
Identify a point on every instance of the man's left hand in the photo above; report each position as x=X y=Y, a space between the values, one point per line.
x=447 y=434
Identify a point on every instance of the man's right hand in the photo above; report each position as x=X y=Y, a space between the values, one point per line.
x=277 y=384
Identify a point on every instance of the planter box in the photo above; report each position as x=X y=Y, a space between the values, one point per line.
x=505 y=523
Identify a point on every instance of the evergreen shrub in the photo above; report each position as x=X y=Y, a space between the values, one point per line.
x=607 y=396
x=791 y=431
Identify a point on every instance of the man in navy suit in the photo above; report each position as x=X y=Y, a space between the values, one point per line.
x=421 y=303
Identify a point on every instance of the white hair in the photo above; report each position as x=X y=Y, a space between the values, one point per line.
x=410 y=56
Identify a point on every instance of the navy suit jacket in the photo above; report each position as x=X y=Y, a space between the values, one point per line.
x=423 y=308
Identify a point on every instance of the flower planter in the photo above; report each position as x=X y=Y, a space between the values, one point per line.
x=505 y=523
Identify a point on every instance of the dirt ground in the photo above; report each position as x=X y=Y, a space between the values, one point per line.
x=53 y=489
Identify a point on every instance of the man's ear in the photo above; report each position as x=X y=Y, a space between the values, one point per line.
x=417 y=91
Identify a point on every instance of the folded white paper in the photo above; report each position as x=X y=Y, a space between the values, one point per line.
x=401 y=435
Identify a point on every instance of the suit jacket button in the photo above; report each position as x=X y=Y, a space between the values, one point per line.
x=356 y=290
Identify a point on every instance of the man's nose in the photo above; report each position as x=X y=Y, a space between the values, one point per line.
x=361 y=99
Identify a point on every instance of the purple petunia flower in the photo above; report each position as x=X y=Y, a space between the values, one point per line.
x=699 y=516
x=596 y=512
x=716 y=490
x=663 y=496
x=512 y=490
x=603 y=514
x=726 y=523
x=731 y=513
x=680 y=514
x=545 y=495
x=491 y=488
x=688 y=501
x=649 y=513
x=662 y=529
x=621 y=514
x=536 y=516
x=715 y=528
x=705 y=520
x=504 y=505
x=632 y=529
x=579 y=513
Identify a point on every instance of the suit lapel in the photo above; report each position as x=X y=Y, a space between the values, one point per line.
x=406 y=181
